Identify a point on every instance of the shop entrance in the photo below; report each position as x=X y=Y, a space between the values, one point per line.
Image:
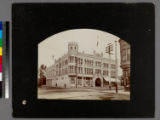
x=98 y=82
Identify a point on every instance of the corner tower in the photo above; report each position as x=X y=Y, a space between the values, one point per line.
x=72 y=48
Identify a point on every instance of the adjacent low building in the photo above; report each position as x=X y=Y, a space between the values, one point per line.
x=125 y=63
x=79 y=69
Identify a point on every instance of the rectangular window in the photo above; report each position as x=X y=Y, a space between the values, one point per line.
x=128 y=55
x=113 y=66
x=105 y=65
x=72 y=81
x=81 y=61
x=105 y=72
x=97 y=71
x=71 y=69
x=71 y=59
x=65 y=70
x=113 y=74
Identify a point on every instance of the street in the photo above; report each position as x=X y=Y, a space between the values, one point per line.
x=81 y=94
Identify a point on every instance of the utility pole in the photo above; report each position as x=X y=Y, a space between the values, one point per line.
x=116 y=66
x=109 y=49
x=76 y=71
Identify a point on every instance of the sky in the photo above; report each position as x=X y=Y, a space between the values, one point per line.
x=87 y=39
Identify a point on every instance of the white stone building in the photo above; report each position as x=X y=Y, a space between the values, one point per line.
x=79 y=69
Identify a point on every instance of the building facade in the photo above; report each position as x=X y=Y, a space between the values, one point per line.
x=79 y=69
x=42 y=75
x=125 y=62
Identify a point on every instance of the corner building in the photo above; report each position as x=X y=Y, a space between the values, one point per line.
x=79 y=69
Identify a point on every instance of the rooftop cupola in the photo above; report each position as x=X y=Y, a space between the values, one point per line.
x=72 y=48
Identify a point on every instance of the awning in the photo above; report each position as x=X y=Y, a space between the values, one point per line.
x=108 y=79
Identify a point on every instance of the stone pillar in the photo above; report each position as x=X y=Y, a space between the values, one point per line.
x=90 y=82
x=93 y=83
x=102 y=82
x=84 y=81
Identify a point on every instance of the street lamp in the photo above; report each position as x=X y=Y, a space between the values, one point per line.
x=109 y=49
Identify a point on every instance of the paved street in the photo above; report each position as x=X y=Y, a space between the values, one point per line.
x=81 y=94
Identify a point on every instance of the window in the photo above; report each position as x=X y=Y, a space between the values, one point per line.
x=113 y=74
x=105 y=65
x=62 y=71
x=57 y=66
x=66 y=62
x=65 y=70
x=113 y=66
x=90 y=71
x=71 y=59
x=81 y=61
x=128 y=55
x=72 y=81
x=97 y=71
x=98 y=64
x=71 y=69
x=57 y=73
x=105 y=72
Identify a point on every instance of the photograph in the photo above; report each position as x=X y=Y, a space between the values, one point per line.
x=83 y=64
x=71 y=56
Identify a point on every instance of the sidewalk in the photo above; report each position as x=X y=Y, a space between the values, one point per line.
x=85 y=93
x=119 y=92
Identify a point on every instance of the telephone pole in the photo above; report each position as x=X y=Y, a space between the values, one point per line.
x=116 y=66
x=76 y=71
x=109 y=49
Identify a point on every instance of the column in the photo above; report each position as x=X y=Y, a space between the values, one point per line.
x=102 y=82
x=93 y=83
x=83 y=81
x=90 y=82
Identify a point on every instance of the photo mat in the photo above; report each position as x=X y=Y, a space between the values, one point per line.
x=133 y=23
